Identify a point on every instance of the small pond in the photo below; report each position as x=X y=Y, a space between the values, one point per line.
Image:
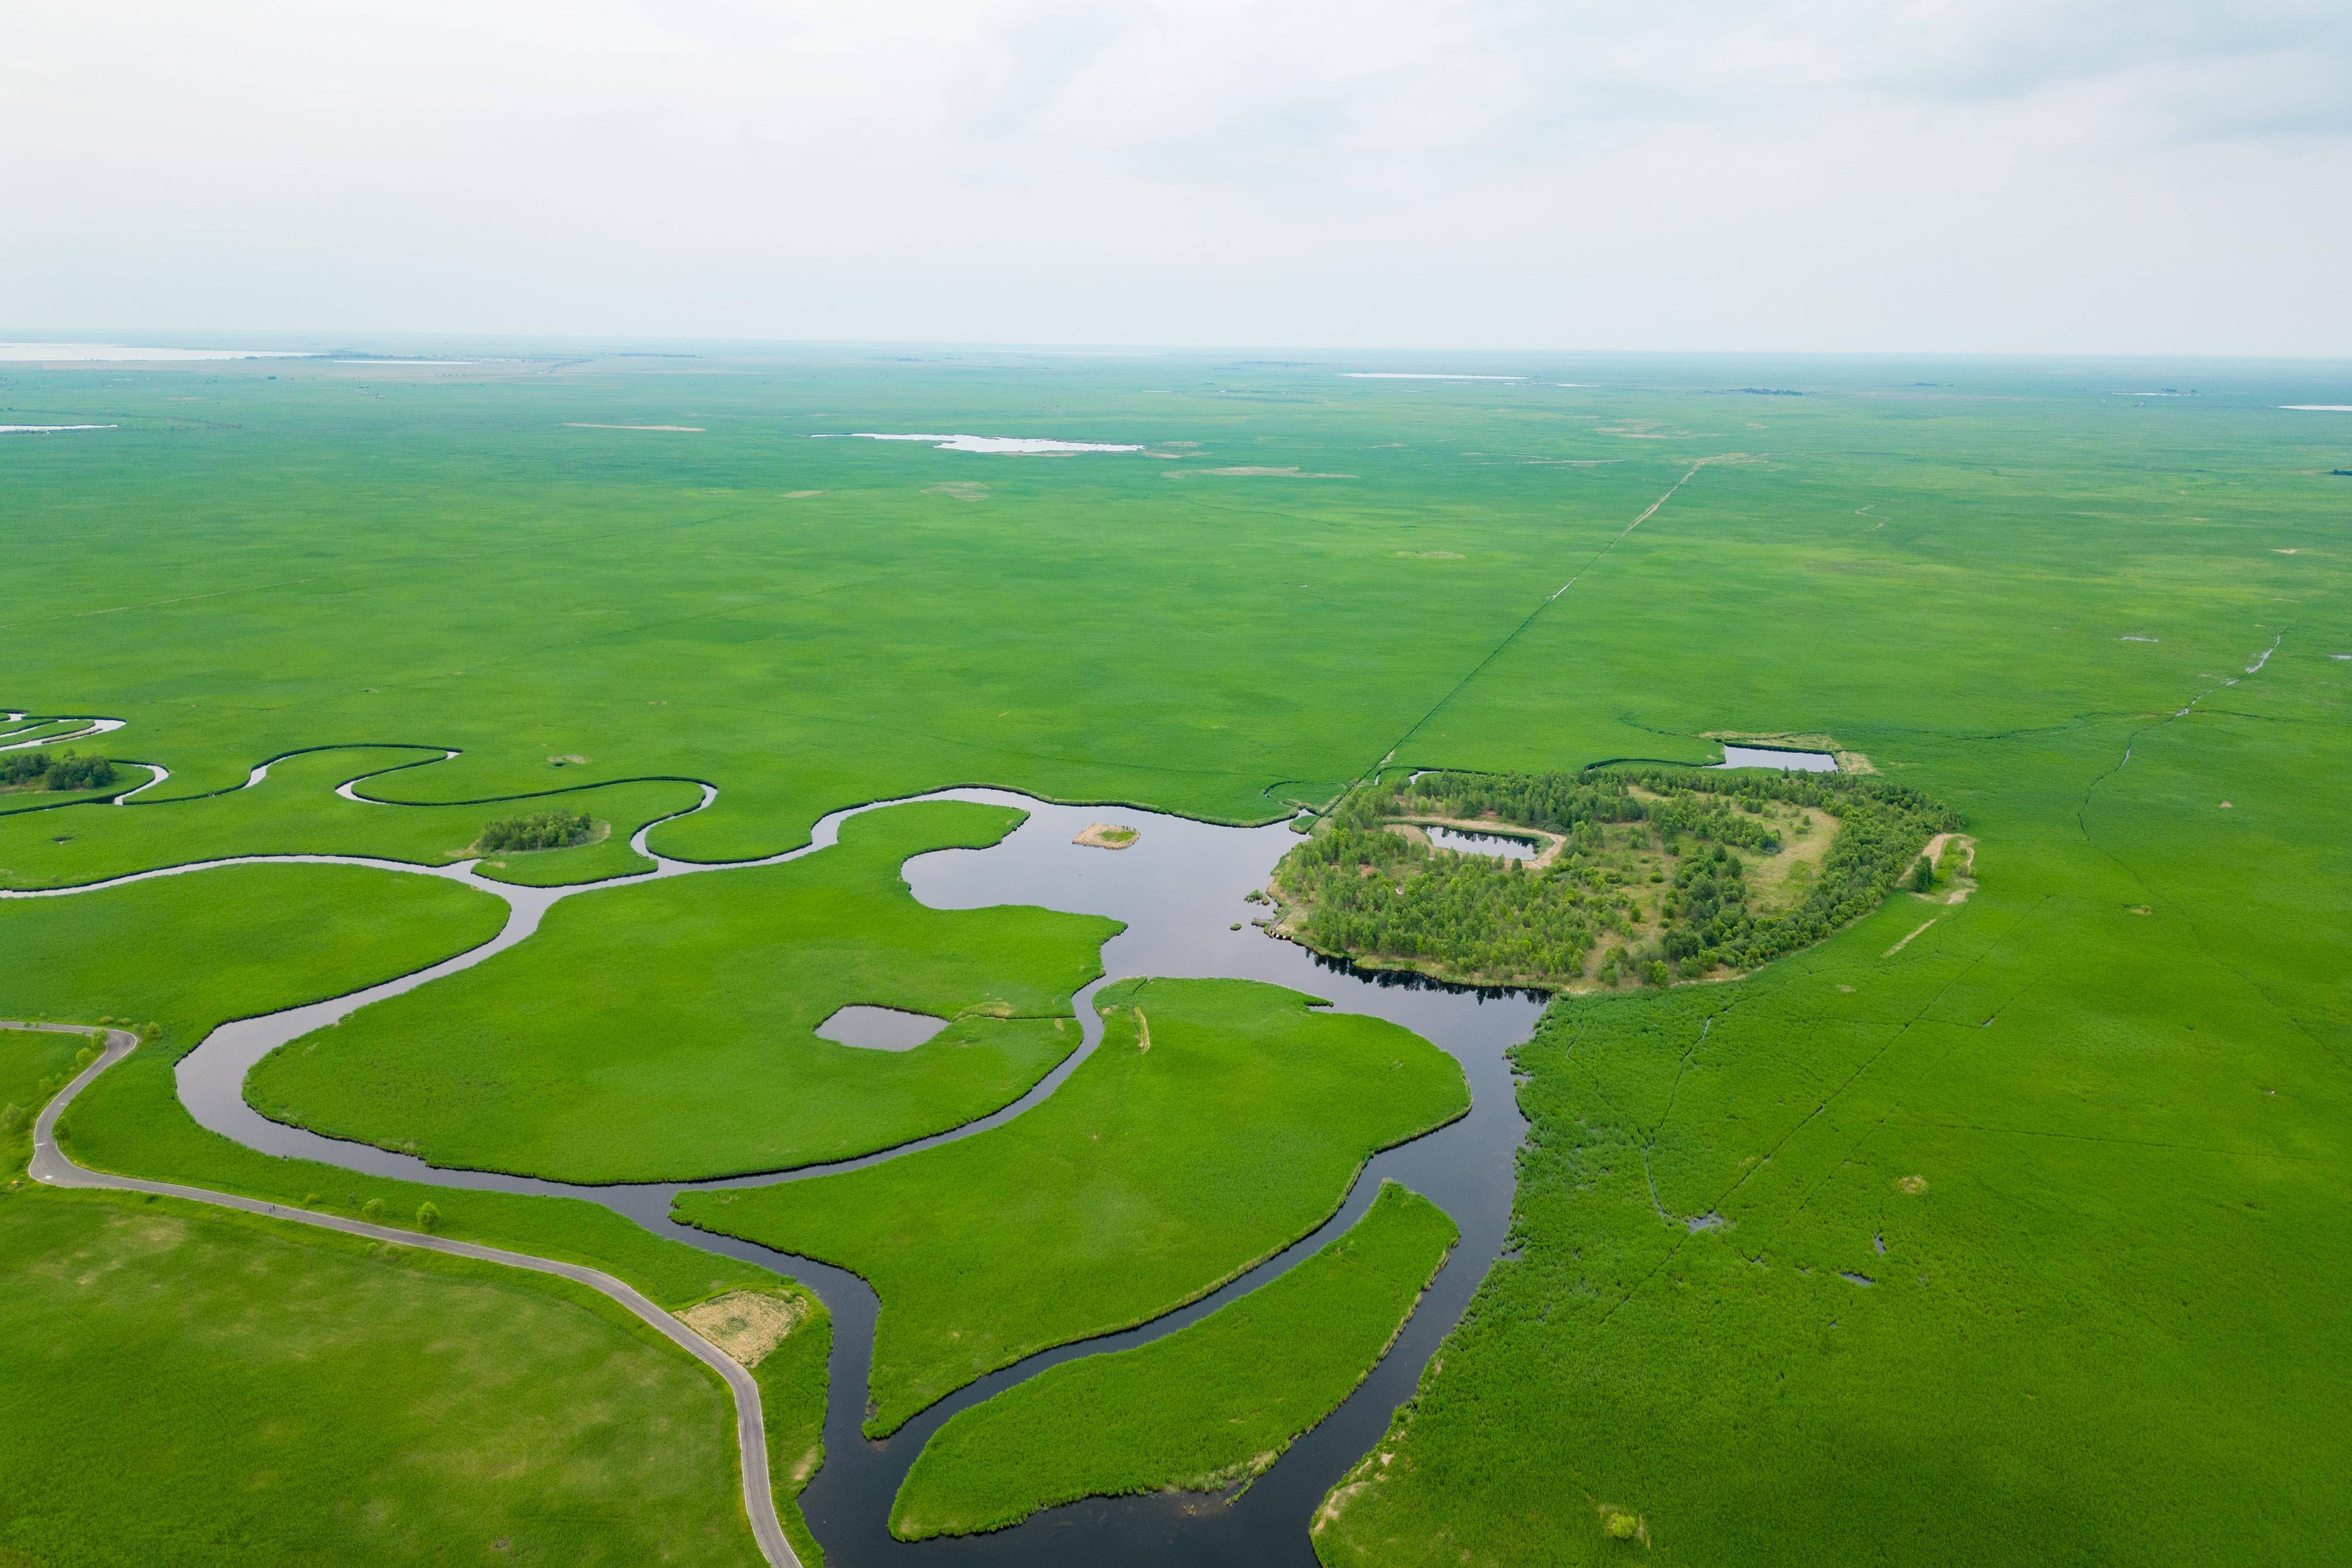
x=1502 y=846
x=1774 y=757
x=879 y=1029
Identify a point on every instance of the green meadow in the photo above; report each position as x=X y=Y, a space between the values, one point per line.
x=1218 y=1122
x=225 y=1391
x=1206 y=1407
x=2084 y=1135
x=663 y=1031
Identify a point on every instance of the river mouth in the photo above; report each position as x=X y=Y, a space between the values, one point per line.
x=1182 y=891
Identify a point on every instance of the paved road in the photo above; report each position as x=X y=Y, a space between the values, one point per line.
x=51 y=1166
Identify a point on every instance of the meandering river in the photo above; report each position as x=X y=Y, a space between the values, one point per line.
x=1180 y=890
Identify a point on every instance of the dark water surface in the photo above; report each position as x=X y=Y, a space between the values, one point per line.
x=1179 y=890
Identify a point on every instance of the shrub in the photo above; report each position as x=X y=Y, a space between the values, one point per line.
x=1923 y=875
x=542 y=830
x=427 y=1216
x=373 y=1211
x=68 y=771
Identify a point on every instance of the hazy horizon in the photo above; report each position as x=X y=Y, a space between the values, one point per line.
x=2085 y=178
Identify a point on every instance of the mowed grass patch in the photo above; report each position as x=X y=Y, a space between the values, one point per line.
x=295 y=811
x=1209 y=1405
x=666 y=1031
x=186 y=952
x=182 y=1386
x=1217 y=1123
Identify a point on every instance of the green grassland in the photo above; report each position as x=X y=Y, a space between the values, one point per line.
x=1217 y=1123
x=1209 y=1405
x=275 y=936
x=187 y=952
x=295 y=810
x=2002 y=581
x=182 y=1385
x=663 y=1031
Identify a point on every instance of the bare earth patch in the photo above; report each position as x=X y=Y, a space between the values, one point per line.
x=1107 y=835
x=959 y=489
x=801 y=495
x=686 y=429
x=1431 y=554
x=746 y=1324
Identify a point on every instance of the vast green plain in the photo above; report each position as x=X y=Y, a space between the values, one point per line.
x=2099 y=1108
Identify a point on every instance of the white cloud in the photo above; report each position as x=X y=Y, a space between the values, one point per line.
x=2085 y=174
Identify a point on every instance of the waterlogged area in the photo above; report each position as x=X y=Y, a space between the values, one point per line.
x=1017 y=446
x=125 y=353
x=1774 y=757
x=1502 y=846
x=879 y=1029
x=1182 y=890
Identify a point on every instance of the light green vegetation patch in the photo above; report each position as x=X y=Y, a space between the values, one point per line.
x=1217 y=1123
x=664 y=1031
x=295 y=810
x=180 y=1385
x=1213 y=1403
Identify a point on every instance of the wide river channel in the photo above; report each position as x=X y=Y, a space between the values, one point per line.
x=1180 y=889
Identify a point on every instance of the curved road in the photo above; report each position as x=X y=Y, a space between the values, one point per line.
x=50 y=1165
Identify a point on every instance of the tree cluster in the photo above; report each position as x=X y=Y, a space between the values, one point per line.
x=542 y=830
x=38 y=769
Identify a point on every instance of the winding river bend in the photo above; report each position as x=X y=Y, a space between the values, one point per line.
x=1180 y=890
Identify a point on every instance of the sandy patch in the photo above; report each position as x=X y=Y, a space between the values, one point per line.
x=801 y=495
x=959 y=489
x=1107 y=835
x=1899 y=946
x=688 y=429
x=746 y=1324
x=568 y=759
x=1419 y=375
x=1963 y=870
x=1915 y=1185
x=1142 y=1033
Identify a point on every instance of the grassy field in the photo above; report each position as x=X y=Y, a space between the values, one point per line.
x=181 y=1385
x=187 y=952
x=275 y=936
x=1208 y=1406
x=1217 y=1123
x=296 y=810
x=663 y=1031
x=2000 y=580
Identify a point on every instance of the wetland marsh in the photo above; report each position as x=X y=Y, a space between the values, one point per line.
x=2081 y=1122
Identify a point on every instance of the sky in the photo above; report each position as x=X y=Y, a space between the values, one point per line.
x=2134 y=177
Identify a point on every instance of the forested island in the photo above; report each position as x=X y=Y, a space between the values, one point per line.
x=38 y=770
x=1648 y=875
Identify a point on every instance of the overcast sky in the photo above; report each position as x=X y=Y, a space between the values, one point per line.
x=2037 y=175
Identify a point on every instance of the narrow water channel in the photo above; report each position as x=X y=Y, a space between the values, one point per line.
x=1180 y=890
